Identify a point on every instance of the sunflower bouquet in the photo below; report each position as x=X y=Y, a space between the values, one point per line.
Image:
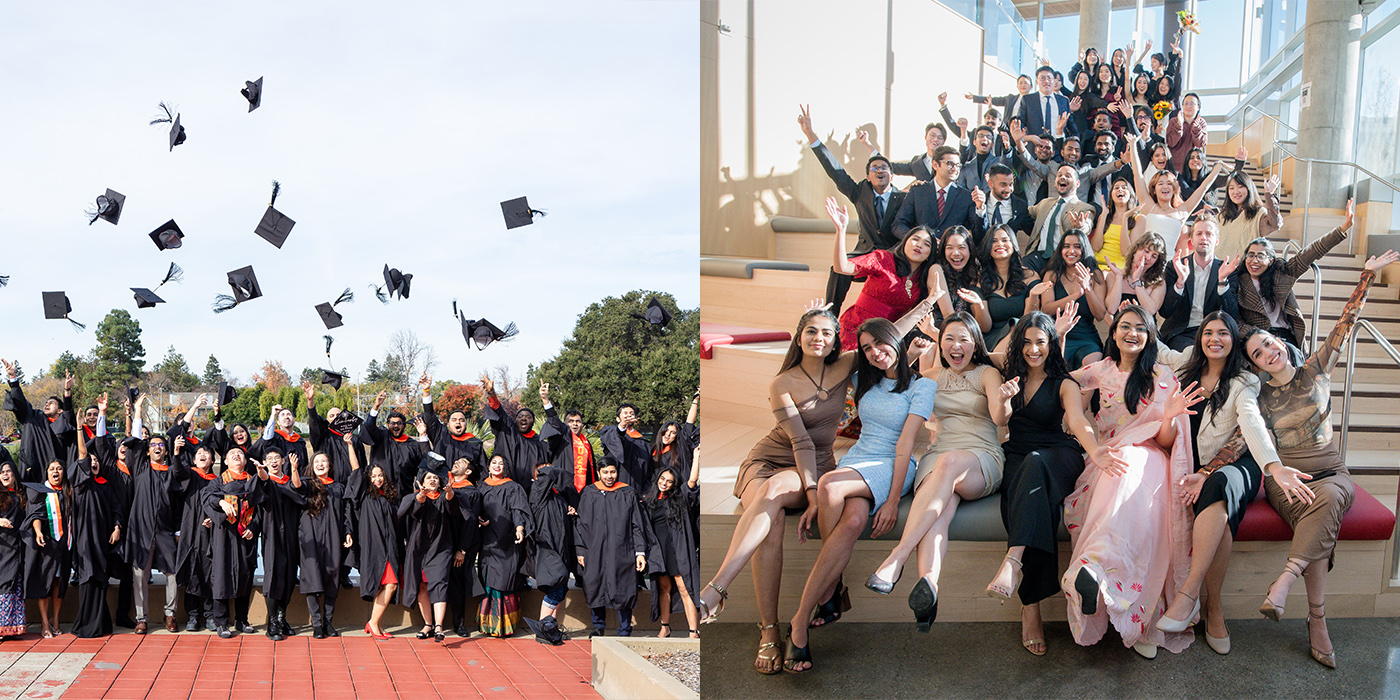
x=1161 y=110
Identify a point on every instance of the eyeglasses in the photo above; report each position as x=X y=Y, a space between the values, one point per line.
x=1258 y=255
x=952 y=164
x=880 y=168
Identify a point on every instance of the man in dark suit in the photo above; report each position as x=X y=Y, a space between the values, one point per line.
x=876 y=201
x=1040 y=113
x=1003 y=205
x=940 y=203
x=1197 y=285
x=978 y=160
x=919 y=167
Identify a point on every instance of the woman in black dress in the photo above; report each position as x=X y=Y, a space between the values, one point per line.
x=380 y=534
x=1042 y=464
x=13 y=505
x=324 y=533
x=1011 y=290
x=505 y=523
x=97 y=515
x=429 y=552
x=668 y=507
x=50 y=559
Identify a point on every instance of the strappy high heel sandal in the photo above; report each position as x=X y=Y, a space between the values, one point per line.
x=1328 y=659
x=1269 y=609
x=438 y=634
x=706 y=614
x=993 y=591
x=764 y=648
x=794 y=655
x=426 y=632
x=832 y=609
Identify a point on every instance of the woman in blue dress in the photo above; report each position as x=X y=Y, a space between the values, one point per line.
x=894 y=402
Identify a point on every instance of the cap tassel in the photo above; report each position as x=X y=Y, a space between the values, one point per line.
x=510 y=332
x=276 y=188
x=93 y=214
x=4 y=280
x=77 y=327
x=455 y=313
x=329 y=341
x=175 y=274
x=168 y=118
x=223 y=302
x=382 y=295
x=345 y=296
x=538 y=212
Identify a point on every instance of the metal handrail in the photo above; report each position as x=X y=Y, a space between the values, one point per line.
x=1307 y=192
x=1317 y=292
x=1276 y=120
x=1346 y=419
x=1275 y=161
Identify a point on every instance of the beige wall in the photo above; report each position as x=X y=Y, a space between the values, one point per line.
x=831 y=54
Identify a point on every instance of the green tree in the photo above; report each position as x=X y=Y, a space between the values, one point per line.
x=373 y=374
x=84 y=388
x=212 y=372
x=613 y=357
x=176 y=371
x=119 y=355
x=245 y=408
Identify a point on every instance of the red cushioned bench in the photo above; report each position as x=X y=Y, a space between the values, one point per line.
x=1368 y=519
x=712 y=334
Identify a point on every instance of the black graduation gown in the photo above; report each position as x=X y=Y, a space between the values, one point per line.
x=55 y=559
x=523 y=451
x=280 y=512
x=550 y=550
x=429 y=551
x=378 y=532
x=232 y=558
x=152 y=521
x=323 y=439
x=504 y=505
x=631 y=451
x=610 y=535
x=398 y=457
x=453 y=448
x=41 y=440
x=676 y=544
x=466 y=528
x=192 y=551
x=679 y=457
x=221 y=442
x=288 y=444
x=560 y=442
x=12 y=544
x=96 y=512
x=322 y=539
x=118 y=489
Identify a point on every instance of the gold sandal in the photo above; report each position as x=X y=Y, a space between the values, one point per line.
x=764 y=647
x=1328 y=659
x=706 y=614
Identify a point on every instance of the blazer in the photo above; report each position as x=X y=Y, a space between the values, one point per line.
x=1176 y=308
x=1021 y=222
x=1034 y=122
x=975 y=176
x=874 y=232
x=1041 y=211
x=915 y=168
x=920 y=208
x=1251 y=305
x=1010 y=104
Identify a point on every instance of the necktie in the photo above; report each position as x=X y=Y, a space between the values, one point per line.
x=1045 y=114
x=879 y=210
x=1049 y=239
x=996 y=214
x=940 y=206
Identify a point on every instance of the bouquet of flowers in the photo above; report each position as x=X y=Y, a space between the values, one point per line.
x=1188 y=22
x=1161 y=110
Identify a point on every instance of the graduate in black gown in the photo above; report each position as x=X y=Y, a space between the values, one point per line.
x=13 y=506
x=118 y=567
x=551 y=547
x=324 y=533
x=392 y=448
x=281 y=551
x=668 y=506
x=49 y=561
x=453 y=441
x=516 y=438
x=569 y=449
x=281 y=433
x=44 y=435
x=192 y=549
x=611 y=545
x=150 y=532
x=627 y=447
x=224 y=438
x=428 y=555
x=505 y=523
x=675 y=443
x=231 y=503
x=466 y=544
x=326 y=439
x=375 y=501
x=97 y=518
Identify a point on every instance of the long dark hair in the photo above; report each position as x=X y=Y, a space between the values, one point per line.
x=1266 y=278
x=674 y=460
x=1229 y=211
x=389 y=492
x=1059 y=268
x=674 y=508
x=316 y=499
x=1015 y=271
x=7 y=497
x=903 y=265
x=794 y=351
x=979 y=344
x=1016 y=367
x=1234 y=362
x=246 y=435
x=1112 y=205
x=1141 y=379
x=868 y=375
x=966 y=278
x=1155 y=274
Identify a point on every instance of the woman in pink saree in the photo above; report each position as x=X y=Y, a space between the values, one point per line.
x=1131 y=536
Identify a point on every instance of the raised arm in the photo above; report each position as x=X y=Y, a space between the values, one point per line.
x=839 y=217
x=1202 y=191
x=844 y=182
x=1299 y=264
x=1144 y=194
x=1331 y=350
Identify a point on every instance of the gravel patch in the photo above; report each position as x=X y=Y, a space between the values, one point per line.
x=684 y=666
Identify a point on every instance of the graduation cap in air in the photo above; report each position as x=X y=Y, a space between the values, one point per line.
x=332 y=378
x=329 y=315
x=253 y=93
x=546 y=631
x=274 y=226
x=168 y=236
x=432 y=463
x=656 y=314
x=346 y=422
x=517 y=213
x=146 y=298
x=395 y=282
x=109 y=207
x=177 y=132
x=245 y=288
x=483 y=332
x=132 y=393
x=56 y=305
x=225 y=394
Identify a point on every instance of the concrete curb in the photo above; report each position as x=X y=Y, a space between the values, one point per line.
x=621 y=673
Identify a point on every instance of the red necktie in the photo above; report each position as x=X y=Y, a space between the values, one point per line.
x=940 y=206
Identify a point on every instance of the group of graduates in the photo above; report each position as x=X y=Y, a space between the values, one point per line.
x=426 y=520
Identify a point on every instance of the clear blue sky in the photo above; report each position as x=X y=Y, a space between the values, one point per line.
x=395 y=129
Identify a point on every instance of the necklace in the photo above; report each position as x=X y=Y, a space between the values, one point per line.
x=821 y=393
x=909 y=285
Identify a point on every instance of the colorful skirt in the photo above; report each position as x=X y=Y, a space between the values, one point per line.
x=499 y=613
x=12 y=622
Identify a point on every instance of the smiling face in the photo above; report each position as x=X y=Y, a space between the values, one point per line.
x=1145 y=257
x=665 y=482
x=955 y=250
x=1002 y=245
x=1140 y=84
x=321 y=465
x=1104 y=143
x=1067 y=178
x=1001 y=186
x=524 y=420
x=1071 y=249
x=457 y=423
x=982 y=141
x=607 y=474
x=1190 y=106
x=240 y=435
x=1166 y=187
x=1160 y=156
x=90 y=417
x=1193 y=160
x=817 y=339
x=55 y=473
x=1236 y=192
x=376 y=476
x=497 y=468
x=933 y=138
x=431 y=482
x=1081 y=82
x=273 y=460
x=1144 y=121
x=204 y=459
x=1216 y=340
x=1257 y=260
x=461 y=469
x=946 y=168
x=1130 y=333
x=1118 y=58
x=669 y=436
x=1105 y=75
x=956 y=345
x=626 y=416
x=1037 y=347
x=157 y=450
x=236 y=460
x=395 y=425
x=1023 y=85
x=1044 y=151
x=1121 y=193
x=917 y=246
x=8 y=479
x=1045 y=81
x=878 y=354
x=1266 y=352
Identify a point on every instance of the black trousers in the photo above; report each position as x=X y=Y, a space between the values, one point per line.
x=459 y=593
x=198 y=605
x=121 y=571
x=221 y=608
x=322 y=608
x=1034 y=488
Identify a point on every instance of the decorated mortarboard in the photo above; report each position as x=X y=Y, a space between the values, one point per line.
x=253 y=93
x=225 y=394
x=432 y=463
x=395 y=282
x=168 y=236
x=171 y=117
x=329 y=315
x=656 y=314
x=56 y=305
x=132 y=393
x=517 y=213
x=245 y=287
x=274 y=226
x=346 y=422
x=109 y=207
x=146 y=298
x=332 y=378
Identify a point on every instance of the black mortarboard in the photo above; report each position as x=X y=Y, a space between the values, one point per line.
x=109 y=207
x=332 y=378
x=177 y=132
x=483 y=332
x=132 y=393
x=346 y=422
x=146 y=298
x=40 y=487
x=56 y=305
x=253 y=93
x=225 y=394
x=168 y=236
x=433 y=463
x=245 y=287
x=656 y=314
x=518 y=213
x=395 y=282
x=546 y=630
x=274 y=226
x=329 y=316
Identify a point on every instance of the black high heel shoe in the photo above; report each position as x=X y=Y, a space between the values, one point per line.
x=831 y=610
x=924 y=602
x=1088 y=588
x=793 y=655
x=426 y=632
x=438 y=636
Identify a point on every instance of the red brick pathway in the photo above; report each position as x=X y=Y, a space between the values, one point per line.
x=200 y=665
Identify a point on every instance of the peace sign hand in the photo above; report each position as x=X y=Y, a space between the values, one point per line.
x=804 y=120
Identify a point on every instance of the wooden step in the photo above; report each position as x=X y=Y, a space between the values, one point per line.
x=813 y=249
x=773 y=299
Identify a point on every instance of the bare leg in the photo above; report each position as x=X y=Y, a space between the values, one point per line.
x=439 y=613
x=44 y=615
x=691 y=615
x=664 y=603
x=764 y=501
x=1205 y=538
x=425 y=609
x=1278 y=592
x=1032 y=630
x=933 y=499
x=1006 y=574
x=831 y=561
x=381 y=603
x=1213 y=606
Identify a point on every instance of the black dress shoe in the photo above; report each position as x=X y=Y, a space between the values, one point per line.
x=461 y=631
x=331 y=631
x=225 y=633
x=246 y=628
x=1088 y=588
x=924 y=602
x=319 y=634
x=275 y=636
x=193 y=624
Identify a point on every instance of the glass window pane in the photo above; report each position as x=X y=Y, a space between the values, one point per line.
x=1379 y=106
x=1217 y=48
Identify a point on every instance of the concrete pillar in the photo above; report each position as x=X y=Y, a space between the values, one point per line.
x=1331 y=56
x=1093 y=27
x=1170 y=25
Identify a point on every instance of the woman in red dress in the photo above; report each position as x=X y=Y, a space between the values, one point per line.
x=896 y=280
